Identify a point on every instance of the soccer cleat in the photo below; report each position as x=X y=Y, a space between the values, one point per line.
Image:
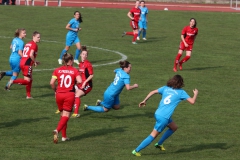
x=134 y=42
x=65 y=139
x=6 y=88
x=180 y=66
x=160 y=147
x=29 y=97
x=138 y=38
x=98 y=103
x=76 y=61
x=2 y=74
x=123 y=34
x=55 y=136
x=85 y=107
x=59 y=61
x=74 y=115
x=144 y=39
x=175 y=69
x=138 y=154
x=57 y=111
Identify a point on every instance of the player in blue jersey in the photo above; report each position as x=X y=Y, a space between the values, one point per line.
x=143 y=21
x=172 y=94
x=72 y=36
x=16 y=47
x=111 y=95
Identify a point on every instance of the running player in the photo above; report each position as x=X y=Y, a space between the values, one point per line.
x=72 y=36
x=143 y=21
x=65 y=76
x=28 y=60
x=134 y=15
x=111 y=95
x=188 y=36
x=172 y=95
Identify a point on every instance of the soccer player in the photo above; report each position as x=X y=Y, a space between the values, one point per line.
x=72 y=36
x=86 y=72
x=134 y=15
x=65 y=76
x=16 y=54
x=27 y=61
x=172 y=94
x=111 y=95
x=188 y=36
x=143 y=21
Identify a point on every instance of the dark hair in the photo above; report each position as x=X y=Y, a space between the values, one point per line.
x=35 y=33
x=175 y=82
x=67 y=57
x=18 y=31
x=124 y=64
x=84 y=48
x=195 y=25
x=80 y=18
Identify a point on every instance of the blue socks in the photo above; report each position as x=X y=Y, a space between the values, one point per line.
x=9 y=73
x=63 y=52
x=96 y=108
x=145 y=143
x=77 y=53
x=144 y=33
x=167 y=134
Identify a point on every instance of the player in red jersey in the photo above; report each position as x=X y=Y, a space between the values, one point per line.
x=189 y=34
x=27 y=61
x=65 y=76
x=86 y=72
x=134 y=15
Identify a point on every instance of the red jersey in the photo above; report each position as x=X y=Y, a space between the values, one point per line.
x=26 y=60
x=85 y=70
x=189 y=34
x=136 y=12
x=66 y=77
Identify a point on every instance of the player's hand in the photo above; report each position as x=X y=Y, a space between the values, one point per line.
x=79 y=29
x=186 y=45
x=195 y=91
x=135 y=85
x=142 y=104
x=36 y=63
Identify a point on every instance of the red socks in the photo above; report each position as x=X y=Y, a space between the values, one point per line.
x=64 y=131
x=62 y=123
x=185 y=59
x=77 y=104
x=177 y=60
x=21 y=81
x=129 y=33
x=134 y=37
x=29 y=88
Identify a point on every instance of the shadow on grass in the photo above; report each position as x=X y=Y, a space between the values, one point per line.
x=152 y=39
x=20 y=121
x=202 y=68
x=99 y=132
x=204 y=147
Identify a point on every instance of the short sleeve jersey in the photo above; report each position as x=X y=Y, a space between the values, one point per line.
x=136 y=12
x=66 y=78
x=120 y=80
x=85 y=70
x=17 y=44
x=170 y=99
x=26 y=60
x=189 y=34
x=73 y=24
x=144 y=12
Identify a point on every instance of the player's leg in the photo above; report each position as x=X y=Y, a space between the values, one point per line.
x=144 y=30
x=79 y=93
x=116 y=103
x=140 y=25
x=180 y=51
x=186 y=58
x=69 y=42
x=78 y=50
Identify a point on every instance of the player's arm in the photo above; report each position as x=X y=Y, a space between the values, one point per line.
x=35 y=63
x=193 y=99
x=79 y=79
x=71 y=29
x=129 y=87
x=87 y=80
x=130 y=15
x=20 y=52
x=143 y=103
x=52 y=83
x=183 y=39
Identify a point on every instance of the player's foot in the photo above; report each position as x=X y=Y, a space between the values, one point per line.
x=138 y=38
x=59 y=61
x=144 y=39
x=175 y=69
x=98 y=103
x=134 y=42
x=55 y=136
x=65 y=139
x=123 y=34
x=85 y=107
x=2 y=74
x=57 y=111
x=9 y=84
x=180 y=66
x=138 y=154
x=6 y=88
x=76 y=61
x=74 y=115
x=160 y=147
x=29 y=97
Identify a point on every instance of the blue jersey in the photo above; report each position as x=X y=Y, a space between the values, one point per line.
x=17 y=44
x=170 y=99
x=120 y=80
x=144 y=12
x=75 y=24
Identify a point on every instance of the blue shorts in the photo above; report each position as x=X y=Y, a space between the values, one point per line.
x=109 y=101
x=161 y=123
x=15 y=64
x=142 y=24
x=72 y=40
